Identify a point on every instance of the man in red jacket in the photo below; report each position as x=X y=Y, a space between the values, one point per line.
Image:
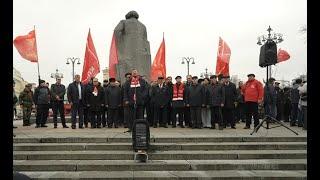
x=253 y=95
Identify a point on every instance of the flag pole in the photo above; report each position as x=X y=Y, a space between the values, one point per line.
x=34 y=28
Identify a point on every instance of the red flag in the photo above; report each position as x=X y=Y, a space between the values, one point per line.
x=283 y=55
x=158 y=67
x=91 y=65
x=27 y=46
x=113 y=57
x=223 y=58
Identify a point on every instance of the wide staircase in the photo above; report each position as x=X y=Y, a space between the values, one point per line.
x=227 y=158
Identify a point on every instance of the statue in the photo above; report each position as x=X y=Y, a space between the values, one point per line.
x=133 y=46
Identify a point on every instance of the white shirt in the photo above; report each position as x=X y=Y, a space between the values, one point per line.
x=79 y=89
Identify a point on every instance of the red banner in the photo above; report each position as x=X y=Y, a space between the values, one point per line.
x=113 y=58
x=223 y=58
x=158 y=67
x=283 y=55
x=27 y=46
x=91 y=65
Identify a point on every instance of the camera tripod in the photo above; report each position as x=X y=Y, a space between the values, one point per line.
x=269 y=119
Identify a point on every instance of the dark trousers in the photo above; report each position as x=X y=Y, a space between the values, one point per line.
x=58 y=106
x=187 y=116
x=216 y=116
x=196 y=117
x=270 y=110
x=280 y=108
x=180 y=112
x=169 y=112
x=42 y=114
x=138 y=112
x=95 y=118
x=160 y=112
x=120 y=115
x=103 y=116
x=86 y=115
x=251 y=109
x=228 y=116
x=294 y=113
x=77 y=108
x=239 y=113
x=149 y=112
x=113 y=116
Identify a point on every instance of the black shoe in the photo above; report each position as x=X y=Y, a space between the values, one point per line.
x=65 y=126
x=43 y=125
x=125 y=126
x=15 y=127
x=37 y=126
x=293 y=125
x=104 y=125
x=182 y=126
x=246 y=127
x=55 y=126
x=73 y=127
x=86 y=125
x=155 y=126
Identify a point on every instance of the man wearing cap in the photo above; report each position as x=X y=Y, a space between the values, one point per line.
x=253 y=95
x=113 y=103
x=270 y=98
x=26 y=102
x=41 y=99
x=195 y=99
x=160 y=95
x=135 y=93
x=58 y=91
x=229 y=102
x=215 y=100
x=76 y=97
x=177 y=102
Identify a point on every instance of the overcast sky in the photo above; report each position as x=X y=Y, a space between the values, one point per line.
x=191 y=28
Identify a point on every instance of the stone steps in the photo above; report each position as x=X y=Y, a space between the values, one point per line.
x=157 y=140
x=159 y=165
x=169 y=175
x=160 y=155
x=162 y=146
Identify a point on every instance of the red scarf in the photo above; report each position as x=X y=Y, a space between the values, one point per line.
x=134 y=84
x=178 y=92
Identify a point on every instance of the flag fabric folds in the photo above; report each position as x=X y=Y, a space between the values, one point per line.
x=158 y=67
x=223 y=58
x=113 y=58
x=27 y=46
x=91 y=65
x=283 y=55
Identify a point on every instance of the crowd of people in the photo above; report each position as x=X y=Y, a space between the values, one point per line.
x=195 y=103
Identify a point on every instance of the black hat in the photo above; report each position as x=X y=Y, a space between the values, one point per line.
x=178 y=77
x=200 y=81
x=105 y=81
x=160 y=77
x=194 y=77
x=42 y=81
x=213 y=77
x=127 y=74
x=298 y=81
x=277 y=83
x=112 y=79
x=271 y=79
x=251 y=75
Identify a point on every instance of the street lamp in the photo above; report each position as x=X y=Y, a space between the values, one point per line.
x=188 y=59
x=73 y=60
x=206 y=74
x=56 y=75
x=275 y=37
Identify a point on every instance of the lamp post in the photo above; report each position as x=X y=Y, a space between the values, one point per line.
x=73 y=60
x=187 y=59
x=56 y=75
x=275 y=37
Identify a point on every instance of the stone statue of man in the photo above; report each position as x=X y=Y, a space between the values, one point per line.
x=133 y=46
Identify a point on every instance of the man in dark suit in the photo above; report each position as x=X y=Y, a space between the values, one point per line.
x=160 y=95
x=76 y=98
x=58 y=91
x=230 y=99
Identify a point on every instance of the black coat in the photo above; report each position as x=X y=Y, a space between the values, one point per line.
x=73 y=93
x=113 y=97
x=230 y=95
x=57 y=90
x=141 y=92
x=160 y=96
x=270 y=95
x=215 y=95
x=41 y=95
x=195 y=95
x=95 y=102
